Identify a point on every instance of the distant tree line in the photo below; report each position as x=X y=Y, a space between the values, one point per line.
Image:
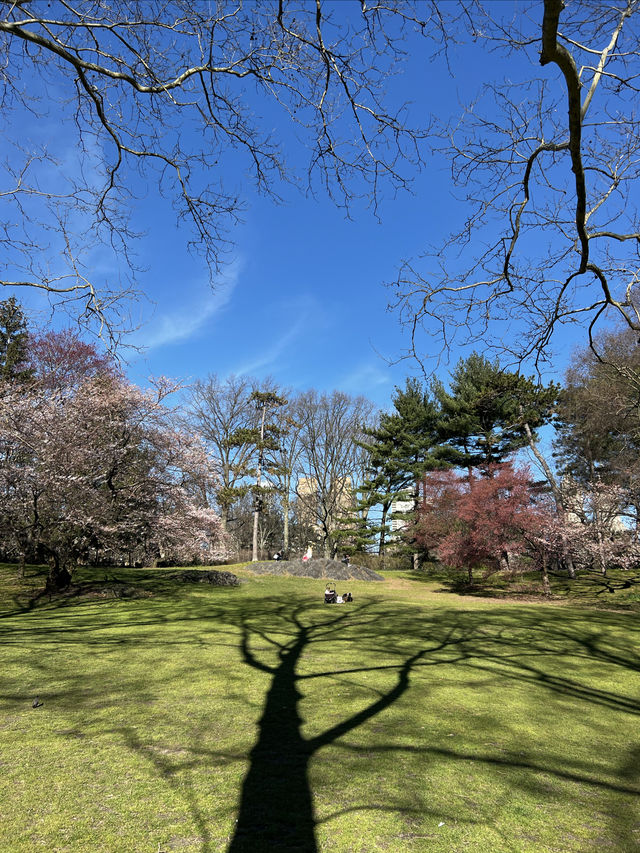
x=96 y=470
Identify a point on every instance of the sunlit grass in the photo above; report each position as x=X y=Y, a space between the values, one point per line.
x=432 y=721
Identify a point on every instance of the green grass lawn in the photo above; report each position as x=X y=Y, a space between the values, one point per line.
x=256 y=718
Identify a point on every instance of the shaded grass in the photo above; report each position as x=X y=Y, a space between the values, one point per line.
x=620 y=589
x=256 y=718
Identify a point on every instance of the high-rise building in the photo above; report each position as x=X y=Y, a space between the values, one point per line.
x=399 y=508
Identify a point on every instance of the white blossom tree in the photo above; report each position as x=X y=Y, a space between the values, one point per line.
x=102 y=471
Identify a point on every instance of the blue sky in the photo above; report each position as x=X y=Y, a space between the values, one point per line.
x=301 y=297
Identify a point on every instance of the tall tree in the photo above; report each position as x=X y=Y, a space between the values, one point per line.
x=14 y=340
x=401 y=449
x=284 y=462
x=598 y=437
x=484 y=412
x=332 y=425
x=265 y=439
x=598 y=429
x=220 y=410
x=61 y=360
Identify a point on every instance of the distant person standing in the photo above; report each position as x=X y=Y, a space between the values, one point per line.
x=308 y=554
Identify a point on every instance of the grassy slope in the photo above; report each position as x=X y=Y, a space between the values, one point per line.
x=204 y=719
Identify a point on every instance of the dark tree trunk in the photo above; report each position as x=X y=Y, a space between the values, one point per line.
x=59 y=577
x=383 y=521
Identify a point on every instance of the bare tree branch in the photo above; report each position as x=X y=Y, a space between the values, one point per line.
x=553 y=232
x=161 y=95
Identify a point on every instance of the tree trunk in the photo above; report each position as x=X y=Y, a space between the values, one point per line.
x=254 y=549
x=415 y=557
x=383 y=521
x=601 y=559
x=285 y=527
x=557 y=495
x=59 y=577
x=545 y=576
x=256 y=514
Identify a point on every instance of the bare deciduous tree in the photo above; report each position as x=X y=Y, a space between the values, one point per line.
x=159 y=95
x=219 y=409
x=332 y=426
x=549 y=168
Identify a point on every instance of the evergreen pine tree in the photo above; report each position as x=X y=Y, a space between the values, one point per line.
x=483 y=415
x=401 y=450
x=13 y=342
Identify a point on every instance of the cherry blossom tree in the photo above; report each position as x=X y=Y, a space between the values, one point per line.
x=598 y=529
x=102 y=472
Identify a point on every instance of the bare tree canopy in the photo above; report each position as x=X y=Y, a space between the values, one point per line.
x=161 y=96
x=548 y=165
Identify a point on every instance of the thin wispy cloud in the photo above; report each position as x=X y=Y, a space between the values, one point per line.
x=269 y=356
x=305 y=308
x=184 y=323
x=365 y=378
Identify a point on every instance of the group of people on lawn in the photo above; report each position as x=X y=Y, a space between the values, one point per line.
x=332 y=597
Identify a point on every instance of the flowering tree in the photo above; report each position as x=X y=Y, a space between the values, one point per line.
x=61 y=360
x=595 y=529
x=480 y=520
x=102 y=471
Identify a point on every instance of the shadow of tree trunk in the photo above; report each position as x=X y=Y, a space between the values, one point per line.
x=276 y=808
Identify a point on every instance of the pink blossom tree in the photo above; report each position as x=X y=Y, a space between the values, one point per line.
x=595 y=530
x=102 y=470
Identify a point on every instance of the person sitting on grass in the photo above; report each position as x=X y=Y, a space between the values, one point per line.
x=330 y=596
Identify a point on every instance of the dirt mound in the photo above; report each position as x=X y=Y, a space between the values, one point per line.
x=316 y=568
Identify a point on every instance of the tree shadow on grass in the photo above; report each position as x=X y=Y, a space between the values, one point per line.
x=589 y=588
x=276 y=808
x=282 y=640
